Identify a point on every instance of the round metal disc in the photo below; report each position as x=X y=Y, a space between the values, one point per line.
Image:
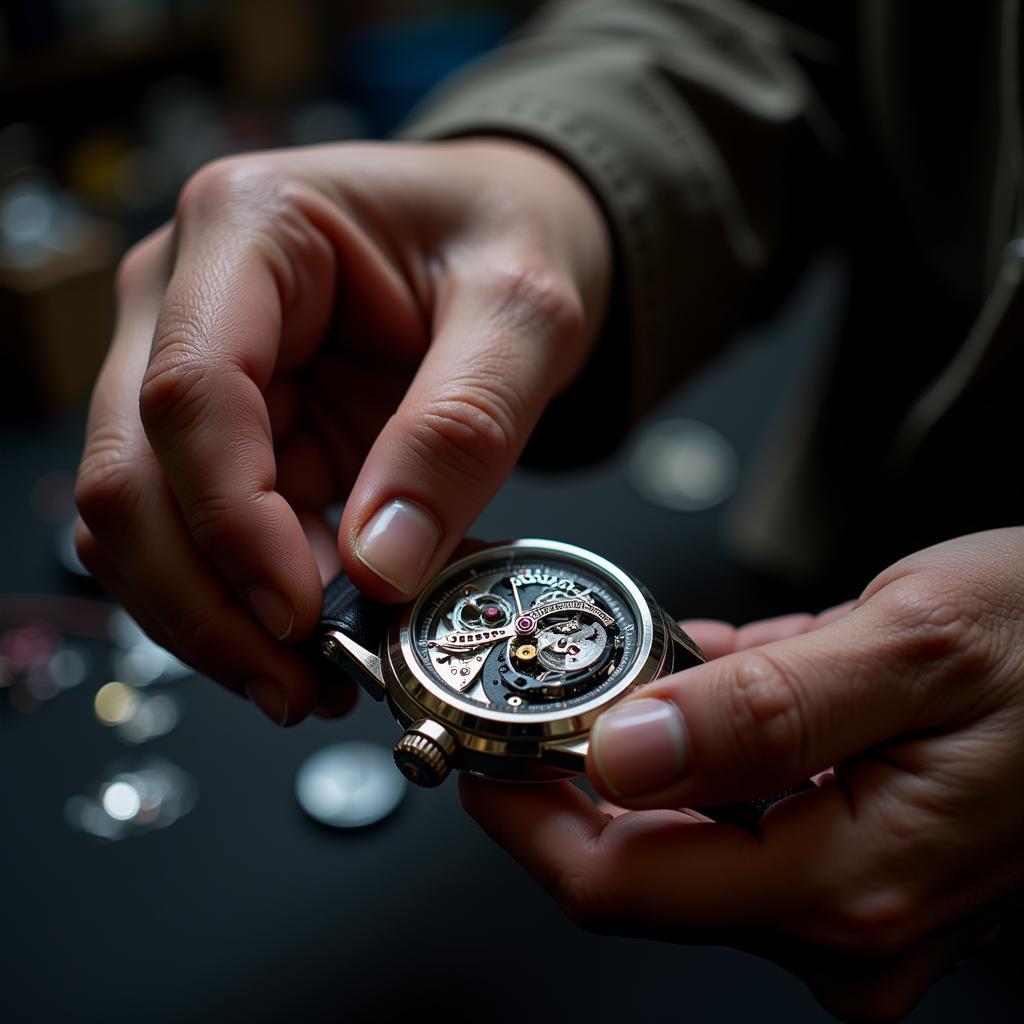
x=685 y=465
x=349 y=785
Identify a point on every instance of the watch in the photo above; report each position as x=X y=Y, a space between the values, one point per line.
x=502 y=664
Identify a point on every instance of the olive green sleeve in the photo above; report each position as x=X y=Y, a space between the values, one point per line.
x=697 y=126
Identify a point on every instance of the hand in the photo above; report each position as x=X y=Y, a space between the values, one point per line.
x=381 y=323
x=908 y=708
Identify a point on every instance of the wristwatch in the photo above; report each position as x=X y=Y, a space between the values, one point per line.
x=503 y=663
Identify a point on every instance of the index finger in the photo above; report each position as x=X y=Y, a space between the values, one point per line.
x=137 y=542
x=717 y=638
x=650 y=872
x=232 y=312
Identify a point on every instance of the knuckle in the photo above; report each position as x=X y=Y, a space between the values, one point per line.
x=213 y=520
x=880 y=924
x=173 y=387
x=470 y=432
x=105 y=491
x=939 y=636
x=535 y=296
x=931 y=619
x=197 y=636
x=767 y=709
x=224 y=183
x=582 y=899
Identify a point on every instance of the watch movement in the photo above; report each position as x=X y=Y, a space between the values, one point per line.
x=502 y=664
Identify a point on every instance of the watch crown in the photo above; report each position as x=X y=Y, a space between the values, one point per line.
x=422 y=758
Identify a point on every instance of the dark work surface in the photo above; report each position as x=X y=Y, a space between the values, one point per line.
x=244 y=910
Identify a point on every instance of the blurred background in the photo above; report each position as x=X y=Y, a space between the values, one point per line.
x=158 y=857
x=109 y=105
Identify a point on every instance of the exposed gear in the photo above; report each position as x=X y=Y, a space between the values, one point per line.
x=481 y=611
x=565 y=650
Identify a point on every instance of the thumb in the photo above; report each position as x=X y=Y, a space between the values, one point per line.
x=508 y=337
x=758 y=721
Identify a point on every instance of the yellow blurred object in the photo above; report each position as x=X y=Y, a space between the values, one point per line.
x=94 y=167
x=115 y=703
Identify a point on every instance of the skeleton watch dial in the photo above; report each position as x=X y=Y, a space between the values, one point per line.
x=522 y=632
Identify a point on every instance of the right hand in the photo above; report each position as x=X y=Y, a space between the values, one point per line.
x=379 y=323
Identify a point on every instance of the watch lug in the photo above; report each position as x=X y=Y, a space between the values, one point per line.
x=569 y=756
x=363 y=665
x=681 y=640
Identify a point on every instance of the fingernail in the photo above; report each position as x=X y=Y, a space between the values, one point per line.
x=640 y=747
x=398 y=542
x=273 y=609
x=270 y=699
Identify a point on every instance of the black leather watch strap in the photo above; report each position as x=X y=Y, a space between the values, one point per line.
x=360 y=626
x=748 y=814
x=351 y=612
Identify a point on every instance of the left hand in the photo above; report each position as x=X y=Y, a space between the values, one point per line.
x=906 y=706
x=382 y=323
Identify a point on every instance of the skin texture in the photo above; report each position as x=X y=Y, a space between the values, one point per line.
x=372 y=322
x=906 y=707
x=348 y=322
